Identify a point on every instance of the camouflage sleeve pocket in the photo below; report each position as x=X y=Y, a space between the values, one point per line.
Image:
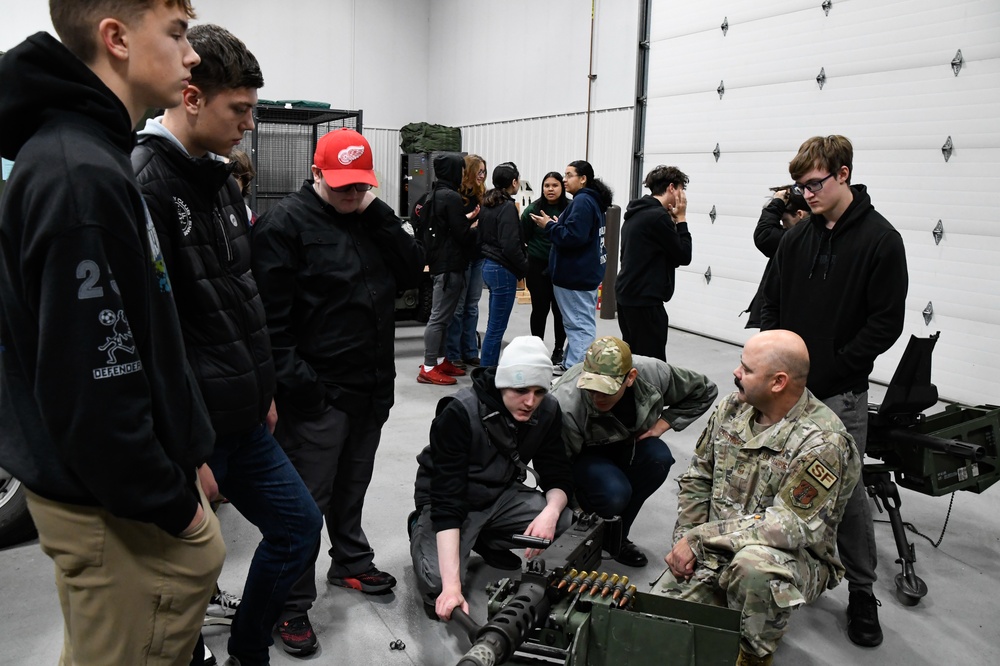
x=809 y=488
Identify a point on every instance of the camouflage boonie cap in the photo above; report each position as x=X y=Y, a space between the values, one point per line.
x=607 y=362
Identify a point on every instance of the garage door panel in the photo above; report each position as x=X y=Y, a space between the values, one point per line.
x=857 y=38
x=891 y=89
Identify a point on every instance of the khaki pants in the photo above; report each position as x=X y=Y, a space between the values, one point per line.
x=130 y=593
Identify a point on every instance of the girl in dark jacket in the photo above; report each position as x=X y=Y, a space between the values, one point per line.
x=506 y=260
x=552 y=202
x=578 y=257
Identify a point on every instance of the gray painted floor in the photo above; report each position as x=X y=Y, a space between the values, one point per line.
x=958 y=622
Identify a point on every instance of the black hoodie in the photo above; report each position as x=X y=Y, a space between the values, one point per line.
x=843 y=290
x=97 y=404
x=652 y=248
x=450 y=241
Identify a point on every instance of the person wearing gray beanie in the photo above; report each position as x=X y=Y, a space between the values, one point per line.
x=524 y=362
x=470 y=493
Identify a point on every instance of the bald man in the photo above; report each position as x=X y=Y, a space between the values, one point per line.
x=759 y=506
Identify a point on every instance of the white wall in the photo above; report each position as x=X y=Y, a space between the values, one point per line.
x=352 y=54
x=526 y=59
x=891 y=90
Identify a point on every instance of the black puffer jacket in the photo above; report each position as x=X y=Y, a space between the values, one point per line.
x=200 y=219
x=500 y=237
x=450 y=240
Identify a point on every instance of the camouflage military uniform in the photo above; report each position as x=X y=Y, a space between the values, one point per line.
x=760 y=510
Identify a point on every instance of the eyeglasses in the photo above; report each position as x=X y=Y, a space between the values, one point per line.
x=481 y=172
x=813 y=186
x=357 y=187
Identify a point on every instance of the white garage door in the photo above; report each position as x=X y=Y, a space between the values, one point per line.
x=751 y=89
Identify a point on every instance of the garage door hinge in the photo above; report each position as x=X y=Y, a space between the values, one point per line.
x=712 y=214
x=957 y=62
x=717 y=152
x=928 y=313
x=947 y=149
x=821 y=79
x=721 y=89
x=725 y=26
x=708 y=275
x=826 y=6
x=938 y=232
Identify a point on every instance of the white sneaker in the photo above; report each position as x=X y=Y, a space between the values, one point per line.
x=209 y=659
x=221 y=608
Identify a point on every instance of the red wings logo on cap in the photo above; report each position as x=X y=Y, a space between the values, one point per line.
x=349 y=154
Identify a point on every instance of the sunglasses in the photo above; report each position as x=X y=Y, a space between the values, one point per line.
x=357 y=187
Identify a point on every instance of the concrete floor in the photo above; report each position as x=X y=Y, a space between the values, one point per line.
x=958 y=621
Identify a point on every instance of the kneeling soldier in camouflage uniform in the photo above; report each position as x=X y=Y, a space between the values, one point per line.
x=759 y=506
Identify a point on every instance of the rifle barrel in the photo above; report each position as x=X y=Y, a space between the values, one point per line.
x=952 y=447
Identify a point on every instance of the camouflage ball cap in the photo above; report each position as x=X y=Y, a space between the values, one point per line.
x=607 y=362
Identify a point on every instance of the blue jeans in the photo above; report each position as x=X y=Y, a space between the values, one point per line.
x=462 y=341
x=611 y=487
x=503 y=288
x=579 y=311
x=256 y=476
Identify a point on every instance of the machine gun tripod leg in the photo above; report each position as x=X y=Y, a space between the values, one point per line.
x=910 y=588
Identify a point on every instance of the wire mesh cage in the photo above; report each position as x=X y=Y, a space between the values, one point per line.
x=282 y=144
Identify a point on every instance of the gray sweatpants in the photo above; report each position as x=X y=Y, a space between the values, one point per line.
x=449 y=289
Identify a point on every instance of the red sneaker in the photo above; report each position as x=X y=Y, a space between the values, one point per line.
x=450 y=369
x=435 y=376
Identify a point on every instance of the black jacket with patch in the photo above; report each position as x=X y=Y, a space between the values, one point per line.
x=98 y=405
x=201 y=220
x=329 y=283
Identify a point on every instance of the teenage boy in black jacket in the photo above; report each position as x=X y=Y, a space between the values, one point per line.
x=469 y=492
x=329 y=260
x=839 y=280
x=100 y=416
x=450 y=240
x=202 y=224
x=655 y=241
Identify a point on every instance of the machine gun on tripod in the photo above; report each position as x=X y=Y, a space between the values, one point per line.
x=938 y=454
x=563 y=610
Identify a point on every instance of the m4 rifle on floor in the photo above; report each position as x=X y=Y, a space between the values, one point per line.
x=934 y=455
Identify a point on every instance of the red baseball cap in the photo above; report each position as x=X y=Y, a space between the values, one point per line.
x=345 y=158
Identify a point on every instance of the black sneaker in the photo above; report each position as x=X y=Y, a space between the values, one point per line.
x=472 y=360
x=558 y=370
x=372 y=581
x=557 y=356
x=862 y=619
x=631 y=556
x=297 y=636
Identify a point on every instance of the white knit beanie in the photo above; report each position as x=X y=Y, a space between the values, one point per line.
x=524 y=362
